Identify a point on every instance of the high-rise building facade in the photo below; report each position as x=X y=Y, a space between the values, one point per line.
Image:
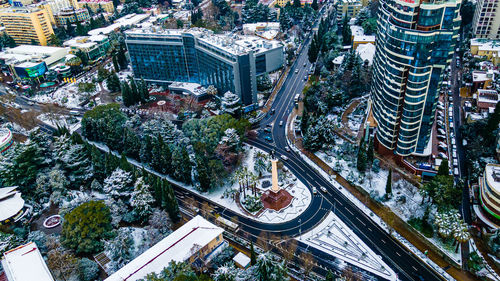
x=486 y=22
x=415 y=43
x=27 y=25
x=230 y=63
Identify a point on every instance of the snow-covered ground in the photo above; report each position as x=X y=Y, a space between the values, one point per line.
x=405 y=200
x=333 y=237
x=72 y=123
x=67 y=96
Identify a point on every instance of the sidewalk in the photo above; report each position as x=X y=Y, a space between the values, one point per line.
x=384 y=212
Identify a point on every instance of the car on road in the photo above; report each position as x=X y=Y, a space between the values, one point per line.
x=305 y=64
x=268 y=138
x=323 y=189
x=305 y=78
x=284 y=157
x=450 y=98
x=315 y=191
x=287 y=149
x=455 y=171
x=30 y=103
x=269 y=125
x=281 y=123
x=442 y=155
x=296 y=71
x=273 y=111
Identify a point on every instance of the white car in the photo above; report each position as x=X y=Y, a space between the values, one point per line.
x=315 y=191
x=323 y=189
x=284 y=157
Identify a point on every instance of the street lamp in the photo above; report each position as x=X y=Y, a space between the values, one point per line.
x=300 y=228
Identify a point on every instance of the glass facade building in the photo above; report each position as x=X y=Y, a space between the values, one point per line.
x=198 y=56
x=415 y=44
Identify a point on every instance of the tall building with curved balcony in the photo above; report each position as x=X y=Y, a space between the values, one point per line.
x=415 y=43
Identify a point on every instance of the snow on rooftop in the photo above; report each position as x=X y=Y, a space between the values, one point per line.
x=25 y=263
x=10 y=202
x=492 y=173
x=229 y=43
x=34 y=50
x=357 y=30
x=177 y=246
x=242 y=259
x=486 y=44
x=480 y=76
x=5 y=136
x=121 y=22
x=366 y=52
x=364 y=38
x=193 y=88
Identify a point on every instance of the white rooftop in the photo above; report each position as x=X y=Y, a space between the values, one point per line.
x=488 y=96
x=10 y=202
x=357 y=30
x=193 y=88
x=366 y=52
x=486 y=44
x=177 y=246
x=5 y=136
x=492 y=173
x=121 y=22
x=230 y=43
x=242 y=259
x=364 y=38
x=25 y=263
x=34 y=50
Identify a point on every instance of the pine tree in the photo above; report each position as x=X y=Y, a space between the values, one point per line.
x=128 y=100
x=156 y=153
x=146 y=150
x=361 y=162
x=113 y=83
x=169 y=202
x=443 y=168
x=346 y=31
x=122 y=59
x=370 y=153
x=388 y=185
x=165 y=159
x=118 y=183
x=80 y=29
x=69 y=28
x=314 y=5
x=141 y=199
x=134 y=92
x=253 y=256
x=296 y=4
x=115 y=63
x=329 y=276
x=203 y=177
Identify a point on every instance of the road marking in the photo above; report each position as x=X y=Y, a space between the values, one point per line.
x=382 y=241
x=398 y=254
x=360 y=221
x=338 y=201
x=414 y=268
x=370 y=229
x=349 y=211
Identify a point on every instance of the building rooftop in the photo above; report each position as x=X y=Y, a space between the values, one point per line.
x=364 y=38
x=357 y=30
x=127 y=20
x=25 y=263
x=492 y=173
x=242 y=259
x=193 y=88
x=85 y=41
x=366 y=52
x=5 y=136
x=229 y=43
x=178 y=246
x=20 y=10
x=481 y=76
x=487 y=96
x=486 y=44
x=10 y=202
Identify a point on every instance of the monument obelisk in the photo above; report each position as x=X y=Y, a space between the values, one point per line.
x=274 y=169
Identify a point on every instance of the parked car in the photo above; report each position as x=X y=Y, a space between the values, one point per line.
x=443 y=148
x=442 y=155
x=440 y=107
x=441 y=137
x=442 y=132
x=268 y=138
x=315 y=191
x=442 y=143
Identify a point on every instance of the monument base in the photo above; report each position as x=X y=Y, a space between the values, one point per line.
x=276 y=200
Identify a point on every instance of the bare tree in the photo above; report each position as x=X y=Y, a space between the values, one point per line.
x=308 y=262
x=62 y=263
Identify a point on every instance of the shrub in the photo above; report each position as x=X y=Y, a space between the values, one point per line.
x=86 y=226
x=88 y=269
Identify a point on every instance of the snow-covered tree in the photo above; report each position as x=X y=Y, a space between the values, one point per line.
x=231 y=103
x=231 y=138
x=118 y=183
x=119 y=249
x=270 y=270
x=211 y=90
x=226 y=272
x=73 y=159
x=164 y=127
x=141 y=199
